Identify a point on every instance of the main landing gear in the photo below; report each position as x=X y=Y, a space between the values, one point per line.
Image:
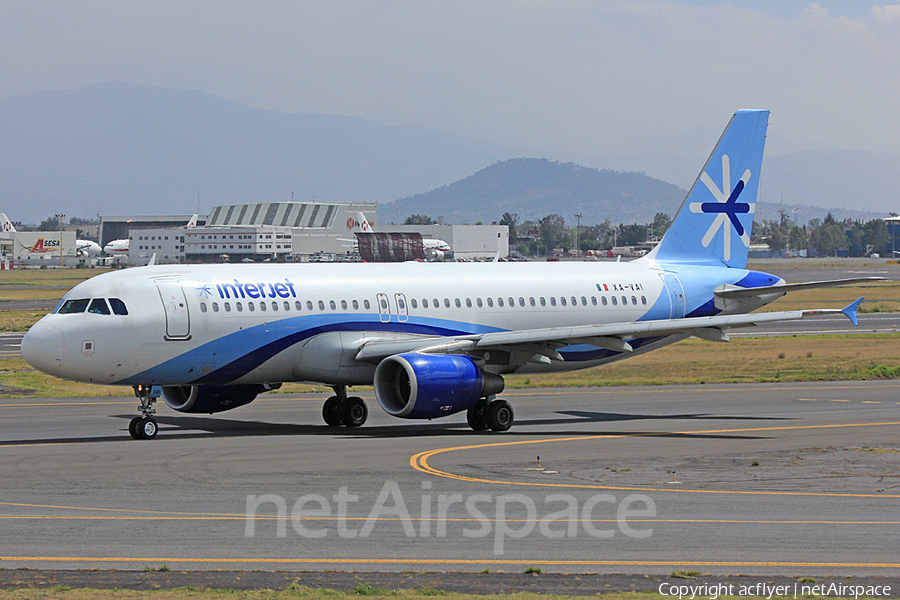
x=341 y=410
x=145 y=427
x=490 y=413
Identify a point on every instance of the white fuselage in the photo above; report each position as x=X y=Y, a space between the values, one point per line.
x=222 y=324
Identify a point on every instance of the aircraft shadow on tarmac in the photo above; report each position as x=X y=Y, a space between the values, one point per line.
x=198 y=427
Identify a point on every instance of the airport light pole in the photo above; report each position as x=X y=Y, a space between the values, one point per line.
x=577 y=227
x=60 y=217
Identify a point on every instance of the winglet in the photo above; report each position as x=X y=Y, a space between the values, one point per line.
x=850 y=310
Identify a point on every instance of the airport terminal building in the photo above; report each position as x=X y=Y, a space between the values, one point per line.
x=280 y=231
x=253 y=232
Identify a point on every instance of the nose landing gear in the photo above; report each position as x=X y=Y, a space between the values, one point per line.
x=145 y=427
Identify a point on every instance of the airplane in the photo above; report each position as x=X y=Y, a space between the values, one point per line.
x=434 y=339
x=116 y=247
x=87 y=248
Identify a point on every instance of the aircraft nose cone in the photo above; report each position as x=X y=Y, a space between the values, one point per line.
x=43 y=347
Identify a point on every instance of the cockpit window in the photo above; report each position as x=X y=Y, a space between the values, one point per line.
x=118 y=306
x=74 y=306
x=98 y=307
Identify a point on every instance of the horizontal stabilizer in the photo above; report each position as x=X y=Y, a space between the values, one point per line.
x=742 y=292
x=851 y=310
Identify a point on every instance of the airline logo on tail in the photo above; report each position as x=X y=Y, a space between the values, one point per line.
x=726 y=208
x=7 y=226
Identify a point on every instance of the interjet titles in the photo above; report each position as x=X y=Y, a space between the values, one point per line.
x=256 y=290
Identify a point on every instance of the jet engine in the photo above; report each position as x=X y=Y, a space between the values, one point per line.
x=209 y=398
x=427 y=386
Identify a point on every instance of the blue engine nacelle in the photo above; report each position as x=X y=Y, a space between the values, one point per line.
x=427 y=386
x=209 y=398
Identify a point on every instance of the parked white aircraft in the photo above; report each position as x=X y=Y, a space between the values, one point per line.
x=116 y=247
x=434 y=338
x=87 y=248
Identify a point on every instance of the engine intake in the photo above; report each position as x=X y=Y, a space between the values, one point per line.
x=427 y=386
x=209 y=398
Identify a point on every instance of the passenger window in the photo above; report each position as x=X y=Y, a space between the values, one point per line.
x=552 y=300
x=543 y=301
x=321 y=305
x=251 y=307
x=437 y=303
x=118 y=307
x=643 y=299
x=624 y=300
x=424 y=302
x=227 y=306
x=239 y=306
x=446 y=302
x=562 y=300
x=274 y=305
x=603 y=300
x=215 y=306
x=383 y=304
x=490 y=302
x=71 y=307
x=468 y=303
x=309 y=305
x=343 y=305
x=574 y=301
x=262 y=306
x=522 y=301
x=500 y=302
x=583 y=301
x=98 y=307
x=512 y=302
x=614 y=300
x=458 y=303
x=414 y=302
x=298 y=306
x=532 y=302
x=366 y=304
x=479 y=303
x=634 y=300
x=594 y=300
x=356 y=305
x=203 y=307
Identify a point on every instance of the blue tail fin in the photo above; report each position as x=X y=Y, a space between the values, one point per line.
x=713 y=225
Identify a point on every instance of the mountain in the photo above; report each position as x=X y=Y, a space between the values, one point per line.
x=535 y=187
x=118 y=148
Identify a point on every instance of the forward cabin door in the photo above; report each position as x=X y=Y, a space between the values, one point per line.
x=178 y=322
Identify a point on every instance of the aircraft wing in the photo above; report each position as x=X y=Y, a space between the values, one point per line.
x=613 y=336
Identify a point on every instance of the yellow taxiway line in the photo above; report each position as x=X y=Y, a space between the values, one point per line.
x=420 y=463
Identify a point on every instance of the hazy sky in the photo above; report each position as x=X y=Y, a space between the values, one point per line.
x=563 y=76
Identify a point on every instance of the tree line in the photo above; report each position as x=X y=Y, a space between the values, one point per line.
x=818 y=237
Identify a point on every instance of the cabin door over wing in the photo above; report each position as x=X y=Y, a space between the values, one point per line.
x=178 y=323
x=384 y=308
